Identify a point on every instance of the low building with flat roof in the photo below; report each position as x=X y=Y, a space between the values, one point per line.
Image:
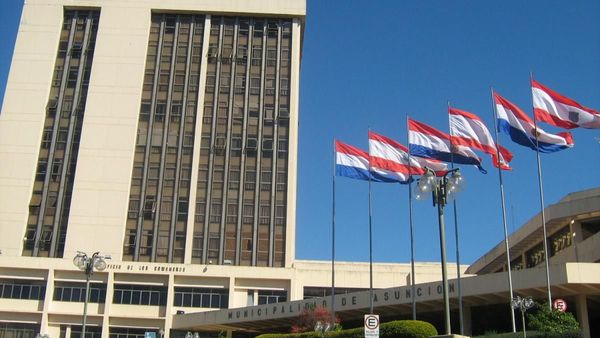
x=573 y=228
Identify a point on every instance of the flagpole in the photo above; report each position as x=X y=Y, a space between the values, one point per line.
x=541 y=190
x=333 y=238
x=370 y=247
x=460 y=303
x=370 y=239
x=412 y=240
x=506 y=247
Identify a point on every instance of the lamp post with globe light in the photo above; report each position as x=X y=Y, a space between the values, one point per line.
x=522 y=304
x=441 y=190
x=322 y=327
x=88 y=265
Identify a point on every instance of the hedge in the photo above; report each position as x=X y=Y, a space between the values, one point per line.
x=532 y=334
x=398 y=328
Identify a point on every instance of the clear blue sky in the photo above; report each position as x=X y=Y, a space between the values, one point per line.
x=368 y=64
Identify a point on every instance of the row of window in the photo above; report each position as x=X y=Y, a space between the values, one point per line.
x=201 y=297
x=16 y=289
x=216 y=298
x=244 y=142
x=75 y=292
x=557 y=242
x=319 y=291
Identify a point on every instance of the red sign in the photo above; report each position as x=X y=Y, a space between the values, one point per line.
x=560 y=305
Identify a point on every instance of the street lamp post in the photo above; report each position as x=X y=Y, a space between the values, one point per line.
x=88 y=264
x=448 y=185
x=522 y=304
x=322 y=327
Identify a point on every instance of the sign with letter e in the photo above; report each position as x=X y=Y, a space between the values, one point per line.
x=372 y=326
x=560 y=305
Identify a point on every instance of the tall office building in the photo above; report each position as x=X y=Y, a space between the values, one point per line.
x=161 y=133
x=153 y=131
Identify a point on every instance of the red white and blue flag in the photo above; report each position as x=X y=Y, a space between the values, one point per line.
x=522 y=130
x=390 y=159
x=354 y=163
x=468 y=129
x=351 y=162
x=561 y=111
x=426 y=141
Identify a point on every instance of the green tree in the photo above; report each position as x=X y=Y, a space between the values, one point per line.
x=552 y=321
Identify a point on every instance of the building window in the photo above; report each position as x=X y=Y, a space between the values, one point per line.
x=271 y=296
x=560 y=240
x=201 y=297
x=213 y=245
x=317 y=291
x=22 y=289
x=250 y=180
x=590 y=228
x=535 y=256
x=126 y=332
x=516 y=264
x=18 y=330
x=197 y=245
x=140 y=294
x=90 y=331
x=75 y=292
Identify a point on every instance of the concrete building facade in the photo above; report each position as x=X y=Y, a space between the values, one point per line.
x=573 y=225
x=179 y=118
x=164 y=134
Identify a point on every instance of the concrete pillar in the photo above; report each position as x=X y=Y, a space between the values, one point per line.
x=582 y=315
x=166 y=327
x=110 y=285
x=468 y=328
x=576 y=232
x=47 y=300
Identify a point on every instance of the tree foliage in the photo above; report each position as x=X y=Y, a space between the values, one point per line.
x=394 y=329
x=307 y=320
x=552 y=321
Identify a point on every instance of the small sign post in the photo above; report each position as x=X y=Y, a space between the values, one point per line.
x=372 y=326
x=560 y=305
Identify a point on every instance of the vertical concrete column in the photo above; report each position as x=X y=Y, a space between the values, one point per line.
x=468 y=328
x=47 y=300
x=232 y=303
x=582 y=315
x=53 y=330
x=576 y=232
x=290 y=230
x=110 y=283
x=189 y=236
x=169 y=307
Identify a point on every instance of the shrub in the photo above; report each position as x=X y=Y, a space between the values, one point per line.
x=552 y=321
x=531 y=334
x=395 y=329
x=407 y=329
